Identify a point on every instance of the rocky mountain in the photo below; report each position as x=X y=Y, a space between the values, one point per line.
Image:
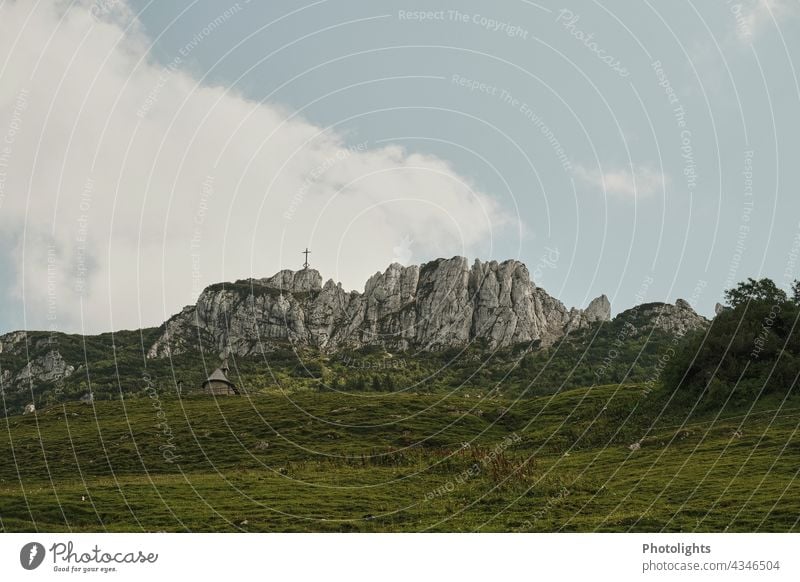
x=42 y=360
x=414 y=310
x=677 y=320
x=441 y=304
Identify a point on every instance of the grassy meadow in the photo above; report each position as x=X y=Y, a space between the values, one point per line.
x=611 y=458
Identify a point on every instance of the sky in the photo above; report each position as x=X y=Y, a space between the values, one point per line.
x=647 y=151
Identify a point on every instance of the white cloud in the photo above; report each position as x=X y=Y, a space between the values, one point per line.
x=175 y=186
x=754 y=17
x=620 y=182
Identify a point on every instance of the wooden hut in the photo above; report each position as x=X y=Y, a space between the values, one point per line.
x=218 y=384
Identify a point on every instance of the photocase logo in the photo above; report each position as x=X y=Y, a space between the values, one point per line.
x=32 y=555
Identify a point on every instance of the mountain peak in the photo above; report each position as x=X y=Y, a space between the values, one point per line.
x=302 y=281
x=440 y=304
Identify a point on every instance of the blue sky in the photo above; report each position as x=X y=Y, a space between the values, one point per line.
x=651 y=145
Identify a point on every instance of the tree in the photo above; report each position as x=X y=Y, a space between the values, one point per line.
x=796 y=292
x=749 y=350
x=764 y=290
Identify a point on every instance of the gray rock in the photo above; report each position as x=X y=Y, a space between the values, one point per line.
x=47 y=368
x=598 y=310
x=442 y=304
x=13 y=343
x=29 y=409
x=304 y=281
x=677 y=319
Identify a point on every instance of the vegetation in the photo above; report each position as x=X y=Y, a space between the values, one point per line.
x=617 y=427
x=752 y=349
x=756 y=291
x=112 y=365
x=609 y=458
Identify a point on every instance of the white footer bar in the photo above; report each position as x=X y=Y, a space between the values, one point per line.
x=401 y=557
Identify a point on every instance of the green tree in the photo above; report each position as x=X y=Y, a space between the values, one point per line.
x=796 y=292
x=762 y=290
x=749 y=350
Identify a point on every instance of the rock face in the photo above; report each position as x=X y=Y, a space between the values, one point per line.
x=446 y=303
x=677 y=319
x=441 y=304
x=47 y=368
x=598 y=310
x=43 y=363
x=13 y=343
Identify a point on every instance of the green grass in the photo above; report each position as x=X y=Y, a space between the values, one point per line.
x=308 y=461
x=111 y=364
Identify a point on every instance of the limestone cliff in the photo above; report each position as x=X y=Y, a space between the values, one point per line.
x=442 y=304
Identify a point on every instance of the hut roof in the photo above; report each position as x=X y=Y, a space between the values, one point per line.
x=219 y=376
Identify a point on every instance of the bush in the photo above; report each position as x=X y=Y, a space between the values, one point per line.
x=751 y=349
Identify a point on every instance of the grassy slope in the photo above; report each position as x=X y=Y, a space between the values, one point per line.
x=393 y=462
x=109 y=364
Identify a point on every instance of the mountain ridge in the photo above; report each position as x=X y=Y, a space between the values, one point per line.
x=428 y=308
x=437 y=305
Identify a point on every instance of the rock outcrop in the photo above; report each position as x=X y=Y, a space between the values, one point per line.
x=13 y=343
x=446 y=303
x=47 y=368
x=598 y=310
x=677 y=319
x=34 y=360
x=441 y=304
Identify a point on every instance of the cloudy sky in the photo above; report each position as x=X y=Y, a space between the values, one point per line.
x=643 y=150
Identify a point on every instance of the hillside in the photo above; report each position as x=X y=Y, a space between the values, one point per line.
x=609 y=458
x=437 y=327
x=627 y=349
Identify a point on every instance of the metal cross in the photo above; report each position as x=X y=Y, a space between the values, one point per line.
x=306 y=253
